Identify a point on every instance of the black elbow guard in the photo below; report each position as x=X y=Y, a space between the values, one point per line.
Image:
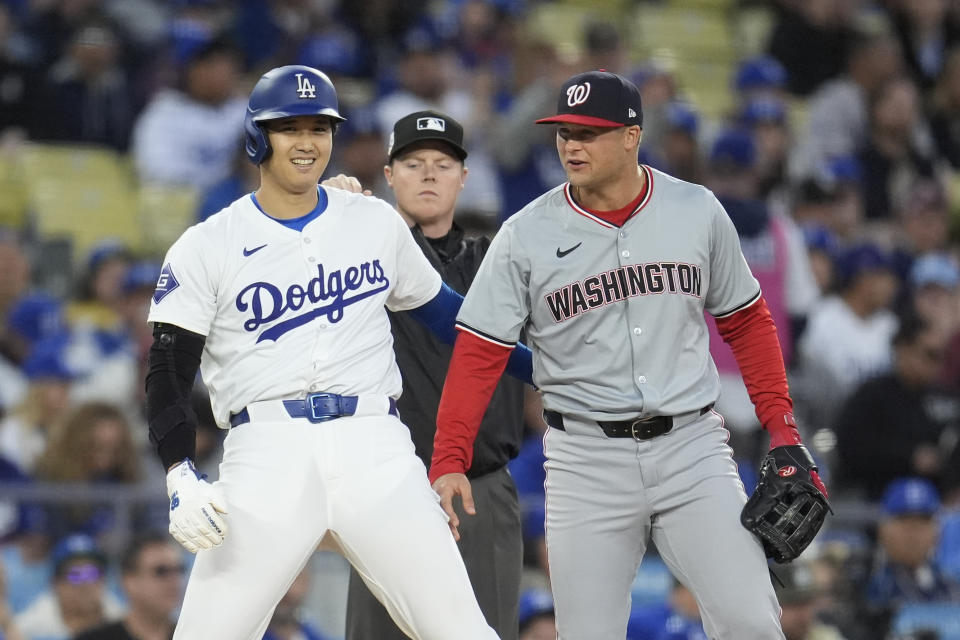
x=172 y=368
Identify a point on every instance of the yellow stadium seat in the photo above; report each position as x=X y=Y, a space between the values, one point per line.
x=705 y=4
x=561 y=24
x=164 y=212
x=953 y=194
x=706 y=83
x=13 y=197
x=80 y=193
x=693 y=33
x=752 y=27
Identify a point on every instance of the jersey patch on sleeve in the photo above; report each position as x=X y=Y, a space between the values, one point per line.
x=165 y=284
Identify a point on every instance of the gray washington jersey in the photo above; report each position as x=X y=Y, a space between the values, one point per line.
x=614 y=315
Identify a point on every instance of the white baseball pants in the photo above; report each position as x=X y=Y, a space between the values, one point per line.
x=288 y=483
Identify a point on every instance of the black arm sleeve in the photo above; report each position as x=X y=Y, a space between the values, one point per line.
x=171 y=370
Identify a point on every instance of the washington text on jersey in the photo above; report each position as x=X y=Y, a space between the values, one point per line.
x=621 y=283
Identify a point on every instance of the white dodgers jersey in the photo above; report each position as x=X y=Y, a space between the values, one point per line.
x=287 y=311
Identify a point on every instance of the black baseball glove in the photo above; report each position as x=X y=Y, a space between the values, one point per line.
x=789 y=504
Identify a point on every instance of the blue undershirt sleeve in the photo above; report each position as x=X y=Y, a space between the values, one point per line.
x=439 y=315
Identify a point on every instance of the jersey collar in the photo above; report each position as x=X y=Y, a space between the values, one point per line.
x=599 y=220
x=297 y=224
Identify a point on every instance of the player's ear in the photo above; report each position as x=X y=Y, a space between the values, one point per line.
x=463 y=177
x=388 y=174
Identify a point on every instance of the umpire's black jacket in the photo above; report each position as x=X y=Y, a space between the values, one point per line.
x=423 y=361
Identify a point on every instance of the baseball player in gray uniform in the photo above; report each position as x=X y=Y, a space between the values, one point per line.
x=610 y=274
x=281 y=299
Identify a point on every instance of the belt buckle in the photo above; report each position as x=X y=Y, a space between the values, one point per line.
x=314 y=411
x=640 y=429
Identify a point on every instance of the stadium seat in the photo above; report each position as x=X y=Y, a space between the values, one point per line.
x=79 y=193
x=701 y=45
x=694 y=34
x=13 y=202
x=164 y=212
x=752 y=26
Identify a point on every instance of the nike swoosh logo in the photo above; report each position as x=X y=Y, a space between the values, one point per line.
x=249 y=252
x=560 y=254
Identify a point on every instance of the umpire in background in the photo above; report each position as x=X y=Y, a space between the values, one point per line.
x=425 y=169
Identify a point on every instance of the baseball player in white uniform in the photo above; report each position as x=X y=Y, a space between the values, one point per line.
x=281 y=300
x=610 y=274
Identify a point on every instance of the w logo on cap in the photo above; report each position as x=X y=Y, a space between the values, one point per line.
x=431 y=124
x=578 y=94
x=304 y=88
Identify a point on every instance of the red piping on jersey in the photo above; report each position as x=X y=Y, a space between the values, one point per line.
x=475 y=369
x=752 y=336
x=616 y=218
x=483 y=336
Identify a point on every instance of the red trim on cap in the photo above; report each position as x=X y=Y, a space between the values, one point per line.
x=573 y=118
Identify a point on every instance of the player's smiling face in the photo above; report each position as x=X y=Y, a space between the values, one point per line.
x=301 y=148
x=592 y=156
x=426 y=180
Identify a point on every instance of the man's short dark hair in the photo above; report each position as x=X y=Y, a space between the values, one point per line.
x=130 y=560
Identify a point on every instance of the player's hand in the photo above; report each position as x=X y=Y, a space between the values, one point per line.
x=347 y=183
x=195 y=508
x=450 y=485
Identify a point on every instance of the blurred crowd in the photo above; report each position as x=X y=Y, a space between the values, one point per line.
x=836 y=152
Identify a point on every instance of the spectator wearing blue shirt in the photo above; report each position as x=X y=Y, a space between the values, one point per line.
x=948 y=550
x=536 y=616
x=677 y=153
x=24 y=432
x=760 y=77
x=26 y=557
x=288 y=621
x=77 y=599
x=905 y=570
x=676 y=619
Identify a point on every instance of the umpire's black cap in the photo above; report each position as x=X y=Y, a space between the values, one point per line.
x=598 y=99
x=426 y=125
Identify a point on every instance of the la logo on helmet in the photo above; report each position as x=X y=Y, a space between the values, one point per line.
x=578 y=94
x=304 y=88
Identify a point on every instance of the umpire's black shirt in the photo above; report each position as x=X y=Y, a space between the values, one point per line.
x=423 y=362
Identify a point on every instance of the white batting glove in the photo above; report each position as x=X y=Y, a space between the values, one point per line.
x=195 y=508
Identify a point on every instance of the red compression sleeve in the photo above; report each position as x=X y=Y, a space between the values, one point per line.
x=752 y=336
x=475 y=369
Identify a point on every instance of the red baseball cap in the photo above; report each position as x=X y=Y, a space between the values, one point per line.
x=598 y=99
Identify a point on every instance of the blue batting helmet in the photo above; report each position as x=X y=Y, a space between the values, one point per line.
x=294 y=90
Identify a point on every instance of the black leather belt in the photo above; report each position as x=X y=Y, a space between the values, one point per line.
x=316 y=407
x=639 y=429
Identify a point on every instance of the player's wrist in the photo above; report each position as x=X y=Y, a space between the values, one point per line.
x=444 y=467
x=783 y=430
x=181 y=473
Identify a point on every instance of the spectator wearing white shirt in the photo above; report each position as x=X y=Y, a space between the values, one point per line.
x=847 y=338
x=189 y=136
x=838 y=119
